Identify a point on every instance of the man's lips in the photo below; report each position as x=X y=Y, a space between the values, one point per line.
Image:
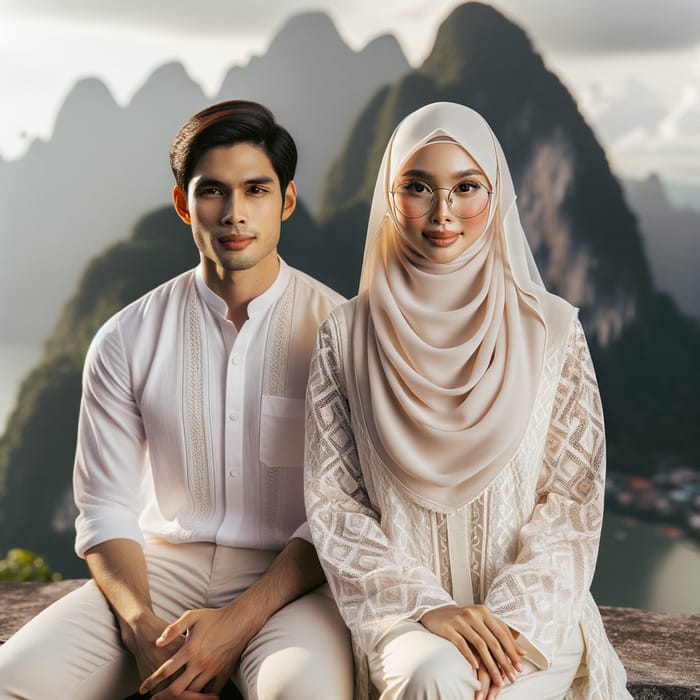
x=441 y=238
x=236 y=242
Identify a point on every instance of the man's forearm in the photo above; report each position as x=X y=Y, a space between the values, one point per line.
x=119 y=569
x=295 y=571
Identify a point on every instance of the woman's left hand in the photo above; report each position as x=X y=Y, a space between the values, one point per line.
x=484 y=640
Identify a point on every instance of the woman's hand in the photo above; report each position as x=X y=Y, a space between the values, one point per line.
x=483 y=639
x=488 y=690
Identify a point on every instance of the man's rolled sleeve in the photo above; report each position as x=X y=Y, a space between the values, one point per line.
x=111 y=447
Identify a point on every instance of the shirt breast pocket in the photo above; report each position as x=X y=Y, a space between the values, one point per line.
x=282 y=432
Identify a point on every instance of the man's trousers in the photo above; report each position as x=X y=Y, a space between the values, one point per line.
x=73 y=649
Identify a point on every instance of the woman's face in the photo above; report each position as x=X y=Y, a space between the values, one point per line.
x=436 y=229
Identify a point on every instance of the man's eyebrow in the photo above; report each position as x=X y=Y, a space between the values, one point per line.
x=210 y=182
x=214 y=182
x=259 y=180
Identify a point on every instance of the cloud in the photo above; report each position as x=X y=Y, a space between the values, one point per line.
x=608 y=26
x=616 y=110
x=206 y=16
x=573 y=26
x=671 y=145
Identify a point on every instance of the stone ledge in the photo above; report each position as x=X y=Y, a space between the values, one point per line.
x=660 y=651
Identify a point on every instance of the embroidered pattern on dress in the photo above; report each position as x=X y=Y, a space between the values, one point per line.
x=544 y=507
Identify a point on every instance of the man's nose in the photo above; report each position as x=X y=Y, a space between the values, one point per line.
x=234 y=209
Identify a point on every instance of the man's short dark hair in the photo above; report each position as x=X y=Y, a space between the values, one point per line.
x=228 y=123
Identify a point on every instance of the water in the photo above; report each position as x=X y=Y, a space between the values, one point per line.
x=640 y=567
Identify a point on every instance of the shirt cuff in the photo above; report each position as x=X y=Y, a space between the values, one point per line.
x=94 y=529
x=534 y=655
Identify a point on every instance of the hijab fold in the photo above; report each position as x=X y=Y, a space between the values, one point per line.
x=448 y=357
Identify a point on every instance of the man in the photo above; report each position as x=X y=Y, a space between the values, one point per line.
x=188 y=472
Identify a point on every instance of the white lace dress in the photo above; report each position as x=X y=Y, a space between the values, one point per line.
x=526 y=547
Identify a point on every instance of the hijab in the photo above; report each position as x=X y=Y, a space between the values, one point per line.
x=448 y=358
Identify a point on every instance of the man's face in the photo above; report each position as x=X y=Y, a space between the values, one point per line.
x=235 y=207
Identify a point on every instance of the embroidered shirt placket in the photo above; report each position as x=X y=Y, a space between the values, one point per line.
x=459 y=538
x=194 y=412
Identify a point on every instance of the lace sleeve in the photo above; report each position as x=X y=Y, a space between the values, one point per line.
x=374 y=583
x=542 y=593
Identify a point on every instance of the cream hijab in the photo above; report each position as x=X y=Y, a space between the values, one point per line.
x=448 y=357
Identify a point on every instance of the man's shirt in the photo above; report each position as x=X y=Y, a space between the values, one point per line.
x=191 y=430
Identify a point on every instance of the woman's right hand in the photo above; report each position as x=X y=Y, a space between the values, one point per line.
x=488 y=691
x=481 y=637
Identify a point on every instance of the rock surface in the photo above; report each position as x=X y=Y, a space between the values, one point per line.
x=660 y=651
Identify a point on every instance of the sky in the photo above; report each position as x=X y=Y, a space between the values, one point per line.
x=632 y=65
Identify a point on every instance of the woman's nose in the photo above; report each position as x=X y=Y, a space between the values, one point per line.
x=441 y=206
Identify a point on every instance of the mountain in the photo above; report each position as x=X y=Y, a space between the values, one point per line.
x=314 y=83
x=581 y=231
x=584 y=235
x=671 y=235
x=69 y=198
x=37 y=450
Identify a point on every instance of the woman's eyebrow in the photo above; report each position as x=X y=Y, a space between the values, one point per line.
x=455 y=176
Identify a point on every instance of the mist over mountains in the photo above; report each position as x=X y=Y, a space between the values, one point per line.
x=671 y=236
x=105 y=166
x=585 y=237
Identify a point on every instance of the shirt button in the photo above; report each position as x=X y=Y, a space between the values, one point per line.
x=233 y=416
x=233 y=473
x=235 y=360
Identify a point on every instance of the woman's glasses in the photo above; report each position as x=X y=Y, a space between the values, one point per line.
x=465 y=200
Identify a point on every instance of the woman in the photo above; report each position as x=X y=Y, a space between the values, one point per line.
x=455 y=445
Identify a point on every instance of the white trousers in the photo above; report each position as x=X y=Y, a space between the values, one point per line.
x=73 y=651
x=411 y=663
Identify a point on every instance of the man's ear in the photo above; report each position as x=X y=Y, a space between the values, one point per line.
x=180 y=202
x=290 y=201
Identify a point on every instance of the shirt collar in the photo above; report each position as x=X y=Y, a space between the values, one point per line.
x=256 y=306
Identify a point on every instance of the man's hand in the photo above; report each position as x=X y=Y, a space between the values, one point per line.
x=119 y=569
x=140 y=640
x=483 y=639
x=208 y=657
x=216 y=638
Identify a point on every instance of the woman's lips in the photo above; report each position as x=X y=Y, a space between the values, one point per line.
x=441 y=239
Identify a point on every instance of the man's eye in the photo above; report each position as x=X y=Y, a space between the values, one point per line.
x=255 y=189
x=210 y=191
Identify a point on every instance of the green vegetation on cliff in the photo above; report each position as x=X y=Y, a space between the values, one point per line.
x=583 y=234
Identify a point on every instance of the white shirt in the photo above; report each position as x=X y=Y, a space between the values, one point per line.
x=177 y=438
